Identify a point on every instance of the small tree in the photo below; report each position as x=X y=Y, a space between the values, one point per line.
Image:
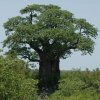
x=46 y=33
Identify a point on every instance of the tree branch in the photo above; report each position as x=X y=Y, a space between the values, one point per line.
x=35 y=48
x=30 y=59
x=31 y=17
x=74 y=45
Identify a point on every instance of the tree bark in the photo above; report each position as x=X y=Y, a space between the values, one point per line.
x=49 y=72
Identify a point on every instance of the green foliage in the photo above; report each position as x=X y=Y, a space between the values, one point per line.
x=15 y=81
x=78 y=85
x=48 y=28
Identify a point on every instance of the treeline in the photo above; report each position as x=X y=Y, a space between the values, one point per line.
x=18 y=82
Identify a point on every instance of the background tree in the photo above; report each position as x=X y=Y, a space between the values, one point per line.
x=45 y=34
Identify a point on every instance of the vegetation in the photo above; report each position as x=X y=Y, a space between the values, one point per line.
x=17 y=82
x=78 y=85
x=45 y=34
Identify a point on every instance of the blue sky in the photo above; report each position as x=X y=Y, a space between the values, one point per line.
x=88 y=9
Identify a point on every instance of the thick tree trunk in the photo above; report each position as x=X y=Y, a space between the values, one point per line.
x=49 y=72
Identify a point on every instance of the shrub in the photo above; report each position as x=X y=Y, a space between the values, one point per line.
x=14 y=83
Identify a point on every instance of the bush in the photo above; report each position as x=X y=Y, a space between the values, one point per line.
x=75 y=85
x=14 y=82
x=18 y=82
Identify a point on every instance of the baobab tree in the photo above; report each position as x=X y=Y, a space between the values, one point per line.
x=45 y=34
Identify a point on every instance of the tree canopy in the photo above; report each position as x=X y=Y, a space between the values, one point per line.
x=48 y=28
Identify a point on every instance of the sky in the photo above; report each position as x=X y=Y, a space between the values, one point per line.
x=88 y=9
